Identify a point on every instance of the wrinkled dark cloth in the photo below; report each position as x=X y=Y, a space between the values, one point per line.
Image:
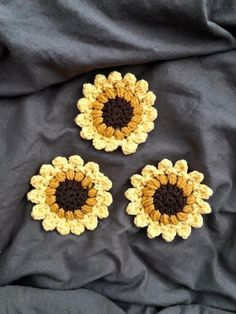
x=186 y=51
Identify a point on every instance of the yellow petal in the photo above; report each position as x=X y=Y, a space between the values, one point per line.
x=60 y=163
x=142 y=220
x=99 y=143
x=100 y=80
x=90 y=91
x=76 y=162
x=63 y=226
x=184 y=231
x=133 y=208
x=47 y=171
x=76 y=227
x=36 y=196
x=136 y=180
x=181 y=166
x=203 y=191
x=90 y=221
x=102 y=212
x=149 y=98
x=195 y=176
x=203 y=207
x=83 y=120
x=154 y=230
x=132 y=194
x=40 y=211
x=111 y=145
x=87 y=132
x=83 y=105
x=50 y=222
x=129 y=147
x=168 y=234
x=196 y=220
x=114 y=77
x=39 y=182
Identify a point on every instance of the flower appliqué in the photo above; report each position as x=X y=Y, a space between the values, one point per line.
x=168 y=200
x=69 y=195
x=116 y=111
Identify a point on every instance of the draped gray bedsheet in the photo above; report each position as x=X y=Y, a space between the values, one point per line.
x=186 y=51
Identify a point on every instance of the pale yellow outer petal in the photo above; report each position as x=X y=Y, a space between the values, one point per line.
x=91 y=167
x=130 y=80
x=76 y=226
x=111 y=145
x=141 y=220
x=36 y=196
x=83 y=120
x=63 y=226
x=40 y=211
x=154 y=230
x=106 y=198
x=203 y=207
x=83 y=105
x=90 y=91
x=141 y=87
x=138 y=137
x=39 y=182
x=102 y=212
x=134 y=208
x=168 y=233
x=184 y=231
x=137 y=181
x=76 y=162
x=60 y=163
x=47 y=171
x=133 y=194
x=100 y=80
x=50 y=222
x=196 y=220
x=181 y=166
x=149 y=171
x=90 y=221
x=99 y=142
x=203 y=191
x=195 y=176
x=146 y=127
x=88 y=132
x=151 y=114
x=149 y=98
x=129 y=147
x=102 y=182
x=114 y=77
x=165 y=164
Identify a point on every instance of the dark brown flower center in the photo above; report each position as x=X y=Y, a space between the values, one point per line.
x=70 y=195
x=117 y=113
x=169 y=199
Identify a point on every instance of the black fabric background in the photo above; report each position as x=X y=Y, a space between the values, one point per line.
x=186 y=51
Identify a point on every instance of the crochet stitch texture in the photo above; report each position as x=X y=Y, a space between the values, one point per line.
x=168 y=200
x=69 y=195
x=116 y=111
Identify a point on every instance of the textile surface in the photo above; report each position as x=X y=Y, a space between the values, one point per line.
x=186 y=51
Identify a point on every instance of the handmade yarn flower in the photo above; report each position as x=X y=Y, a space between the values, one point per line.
x=116 y=111
x=168 y=200
x=70 y=195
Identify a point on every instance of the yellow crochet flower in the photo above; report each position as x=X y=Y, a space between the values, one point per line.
x=116 y=111
x=70 y=195
x=168 y=200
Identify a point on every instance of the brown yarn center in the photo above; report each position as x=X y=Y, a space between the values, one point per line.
x=70 y=195
x=169 y=199
x=117 y=113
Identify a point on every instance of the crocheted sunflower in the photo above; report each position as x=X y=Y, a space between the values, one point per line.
x=116 y=111
x=168 y=200
x=70 y=195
